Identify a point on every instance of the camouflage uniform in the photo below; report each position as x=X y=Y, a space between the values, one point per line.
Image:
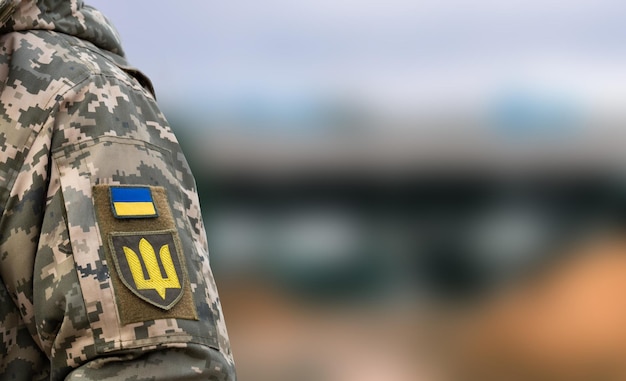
x=84 y=294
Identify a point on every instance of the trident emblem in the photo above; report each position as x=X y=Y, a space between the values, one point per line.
x=150 y=265
x=155 y=281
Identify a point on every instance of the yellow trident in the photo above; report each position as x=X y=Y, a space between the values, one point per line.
x=155 y=280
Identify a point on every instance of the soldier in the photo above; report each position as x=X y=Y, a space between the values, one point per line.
x=103 y=258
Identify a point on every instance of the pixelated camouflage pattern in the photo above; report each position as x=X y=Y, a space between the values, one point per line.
x=74 y=115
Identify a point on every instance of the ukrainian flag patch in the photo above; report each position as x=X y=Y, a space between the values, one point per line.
x=132 y=202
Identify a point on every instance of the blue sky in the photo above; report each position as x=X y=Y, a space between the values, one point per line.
x=393 y=53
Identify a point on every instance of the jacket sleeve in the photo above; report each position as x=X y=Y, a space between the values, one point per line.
x=122 y=282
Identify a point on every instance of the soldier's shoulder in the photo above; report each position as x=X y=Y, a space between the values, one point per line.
x=49 y=63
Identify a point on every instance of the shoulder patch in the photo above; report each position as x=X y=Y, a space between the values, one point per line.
x=145 y=258
x=149 y=264
x=132 y=202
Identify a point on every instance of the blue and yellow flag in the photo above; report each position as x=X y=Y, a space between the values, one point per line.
x=132 y=202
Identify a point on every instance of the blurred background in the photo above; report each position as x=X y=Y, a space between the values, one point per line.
x=372 y=171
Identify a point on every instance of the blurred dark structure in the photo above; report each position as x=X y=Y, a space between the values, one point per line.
x=343 y=218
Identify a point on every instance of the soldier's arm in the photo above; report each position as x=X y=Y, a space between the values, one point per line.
x=122 y=283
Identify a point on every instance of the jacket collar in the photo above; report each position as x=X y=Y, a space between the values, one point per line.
x=71 y=17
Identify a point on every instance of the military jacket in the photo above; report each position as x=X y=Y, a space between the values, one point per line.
x=104 y=263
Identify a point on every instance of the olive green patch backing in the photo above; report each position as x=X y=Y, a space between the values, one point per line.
x=131 y=308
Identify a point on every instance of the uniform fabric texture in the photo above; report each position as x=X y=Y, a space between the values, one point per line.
x=73 y=116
